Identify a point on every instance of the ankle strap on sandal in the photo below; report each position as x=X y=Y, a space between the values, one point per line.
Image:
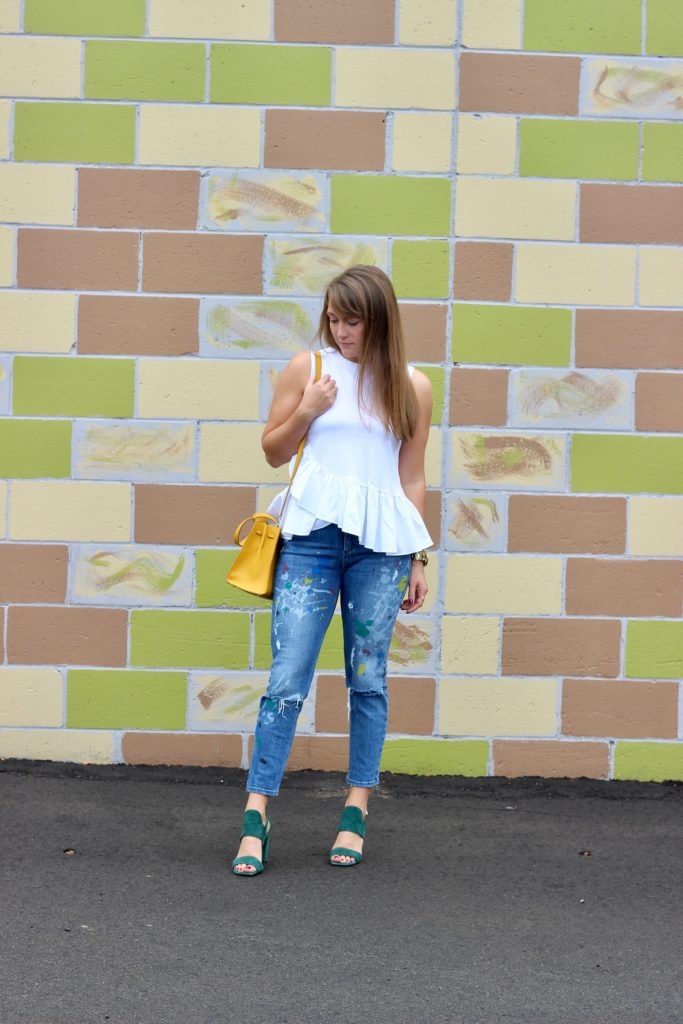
x=352 y=820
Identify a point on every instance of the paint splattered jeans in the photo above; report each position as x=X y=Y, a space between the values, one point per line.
x=312 y=573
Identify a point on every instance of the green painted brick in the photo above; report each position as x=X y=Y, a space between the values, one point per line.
x=511 y=335
x=167 y=639
x=664 y=31
x=649 y=762
x=421 y=270
x=84 y=133
x=69 y=386
x=30 y=449
x=379 y=204
x=583 y=26
x=662 y=152
x=144 y=71
x=331 y=655
x=437 y=376
x=553 y=148
x=211 y=566
x=125 y=699
x=654 y=649
x=85 y=17
x=436 y=757
x=627 y=463
x=276 y=75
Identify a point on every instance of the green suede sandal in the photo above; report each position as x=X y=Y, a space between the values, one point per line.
x=252 y=825
x=352 y=820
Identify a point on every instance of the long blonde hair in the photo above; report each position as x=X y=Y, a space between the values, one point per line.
x=366 y=293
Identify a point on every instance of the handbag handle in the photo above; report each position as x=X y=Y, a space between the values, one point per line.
x=318 y=372
x=265 y=517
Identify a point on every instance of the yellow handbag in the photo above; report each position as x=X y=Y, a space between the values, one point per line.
x=254 y=568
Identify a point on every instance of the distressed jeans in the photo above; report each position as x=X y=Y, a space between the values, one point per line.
x=312 y=573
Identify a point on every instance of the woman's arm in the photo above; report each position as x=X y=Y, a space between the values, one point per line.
x=297 y=401
x=411 y=468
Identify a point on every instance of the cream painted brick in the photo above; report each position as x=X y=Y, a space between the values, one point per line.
x=37 y=193
x=47 y=67
x=661 y=276
x=37 y=321
x=432 y=24
x=5 y=116
x=655 y=526
x=492 y=24
x=232 y=453
x=433 y=458
x=79 y=746
x=422 y=142
x=591 y=275
x=204 y=389
x=210 y=19
x=486 y=144
x=490 y=208
x=56 y=510
x=31 y=696
x=3 y=509
x=6 y=257
x=199 y=136
x=10 y=15
x=378 y=78
x=497 y=707
x=470 y=645
x=508 y=584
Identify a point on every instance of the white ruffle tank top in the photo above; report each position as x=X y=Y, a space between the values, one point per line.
x=348 y=475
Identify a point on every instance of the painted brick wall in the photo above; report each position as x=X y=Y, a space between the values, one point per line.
x=178 y=181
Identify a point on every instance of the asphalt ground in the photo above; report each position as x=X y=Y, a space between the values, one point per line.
x=479 y=901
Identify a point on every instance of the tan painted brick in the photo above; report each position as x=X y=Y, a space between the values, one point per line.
x=203 y=263
x=37 y=322
x=581 y=274
x=655 y=526
x=66 y=636
x=202 y=389
x=326 y=139
x=33 y=574
x=334 y=21
x=470 y=645
x=497 y=707
x=31 y=697
x=519 y=208
x=432 y=518
x=659 y=402
x=7 y=247
x=424 y=328
x=555 y=523
x=550 y=759
x=231 y=452
x=660 y=276
x=201 y=750
x=62 y=511
x=628 y=338
x=513 y=585
x=77 y=746
x=127 y=198
x=80 y=260
x=185 y=514
x=478 y=397
x=519 y=84
x=137 y=325
x=395 y=78
x=411 y=705
x=432 y=24
x=318 y=753
x=45 y=67
x=622 y=708
x=422 y=142
x=561 y=647
x=486 y=144
x=5 y=121
x=210 y=19
x=636 y=214
x=625 y=588
x=37 y=193
x=192 y=135
x=483 y=270
x=491 y=25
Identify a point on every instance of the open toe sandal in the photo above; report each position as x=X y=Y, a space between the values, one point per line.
x=252 y=825
x=352 y=820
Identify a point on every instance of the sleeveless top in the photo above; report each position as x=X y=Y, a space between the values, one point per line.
x=348 y=475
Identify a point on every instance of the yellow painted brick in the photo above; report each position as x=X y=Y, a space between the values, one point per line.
x=592 y=275
x=486 y=144
x=490 y=208
x=79 y=746
x=210 y=19
x=6 y=257
x=56 y=510
x=378 y=78
x=37 y=321
x=661 y=276
x=433 y=458
x=40 y=66
x=37 y=193
x=3 y=508
x=232 y=453
x=31 y=696
x=203 y=389
x=199 y=136
x=422 y=142
x=497 y=707
x=470 y=645
x=10 y=15
x=432 y=24
x=655 y=526
x=508 y=584
x=492 y=25
x=5 y=115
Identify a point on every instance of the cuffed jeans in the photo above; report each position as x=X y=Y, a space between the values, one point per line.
x=312 y=572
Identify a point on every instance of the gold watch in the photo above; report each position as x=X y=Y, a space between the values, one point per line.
x=420 y=556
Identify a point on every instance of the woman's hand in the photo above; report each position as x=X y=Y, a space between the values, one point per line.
x=417 y=588
x=318 y=396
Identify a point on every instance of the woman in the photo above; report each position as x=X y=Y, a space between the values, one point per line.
x=353 y=528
